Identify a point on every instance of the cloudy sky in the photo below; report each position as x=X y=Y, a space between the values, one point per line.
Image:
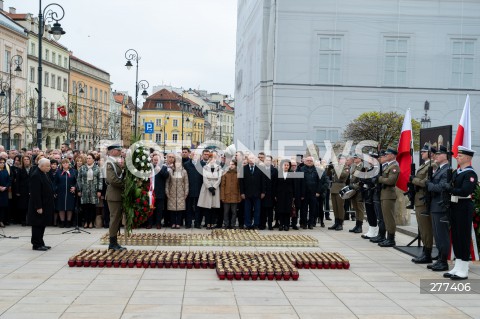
x=185 y=43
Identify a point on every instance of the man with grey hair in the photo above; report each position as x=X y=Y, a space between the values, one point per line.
x=41 y=204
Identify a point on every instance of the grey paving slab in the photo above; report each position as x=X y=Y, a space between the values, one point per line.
x=381 y=283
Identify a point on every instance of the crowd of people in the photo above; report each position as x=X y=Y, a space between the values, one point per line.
x=201 y=189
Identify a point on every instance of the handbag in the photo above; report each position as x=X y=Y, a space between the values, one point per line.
x=293 y=212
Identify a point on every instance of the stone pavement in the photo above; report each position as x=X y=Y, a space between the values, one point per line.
x=381 y=283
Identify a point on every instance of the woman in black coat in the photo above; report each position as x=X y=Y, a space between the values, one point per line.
x=284 y=194
x=65 y=185
x=22 y=188
x=41 y=204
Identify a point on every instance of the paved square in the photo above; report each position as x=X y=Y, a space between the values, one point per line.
x=381 y=283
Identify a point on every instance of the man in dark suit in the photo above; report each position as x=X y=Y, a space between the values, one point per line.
x=161 y=175
x=41 y=204
x=268 y=202
x=436 y=187
x=252 y=190
x=195 y=181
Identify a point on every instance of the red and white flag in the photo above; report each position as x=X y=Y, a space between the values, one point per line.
x=464 y=138
x=62 y=110
x=404 y=157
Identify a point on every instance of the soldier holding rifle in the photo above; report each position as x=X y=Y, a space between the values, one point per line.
x=422 y=205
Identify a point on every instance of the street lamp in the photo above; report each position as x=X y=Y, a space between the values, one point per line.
x=17 y=60
x=425 y=120
x=167 y=117
x=80 y=86
x=184 y=104
x=130 y=55
x=220 y=124
x=57 y=31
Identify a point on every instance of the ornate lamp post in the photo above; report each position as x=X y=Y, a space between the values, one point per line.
x=425 y=120
x=132 y=55
x=47 y=15
x=80 y=86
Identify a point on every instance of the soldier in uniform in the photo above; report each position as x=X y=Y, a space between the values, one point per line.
x=368 y=188
x=116 y=183
x=437 y=186
x=465 y=180
x=388 y=195
x=357 y=199
x=377 y=203
x=338 y=182
x=424 y=221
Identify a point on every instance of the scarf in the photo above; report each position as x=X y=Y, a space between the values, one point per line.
x=68 y=173
x=90 y=173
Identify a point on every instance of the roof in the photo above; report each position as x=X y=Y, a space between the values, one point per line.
x=9 y=23
x=17 y=16
x=227 y=106
x=74 y=58
x=171 y=96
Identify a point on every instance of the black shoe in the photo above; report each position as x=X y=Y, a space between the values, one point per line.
x=40 y=248
x=387 y=243
x=328 y=218
x=310 y=227
x=339 y=227
x=334 y=225
x=455 y=277
x=280 y=228
x=322 y=225
x=447 y=275
x=295 y=227
x=304 y=227
x=285 y=228
x=48 y=247
x=270 y=228
x=440 y=266
x=378 y=239
x=424 y=258
x=276 y=225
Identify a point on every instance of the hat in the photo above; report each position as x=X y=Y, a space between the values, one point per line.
x=391 y=150
x=382 y=153
x=114 y=147
x=443 y=150
x=428 y=148
x=465 y=151
x=341 y=156
x=356 y=155
x=373 y=154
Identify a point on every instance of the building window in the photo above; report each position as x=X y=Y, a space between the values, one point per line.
x=59 y=83
x=53 y=111
x=158 y=137
x=105 y=97
x=47 y=79
x=53 y=81
x=91 y=93
x=65 y=85
x=330 y=51
x=45 y=109
x=54 y=57
x=32 y=49
x=65 y=62
x=47 y=55
x=463 y=52
x=96 y=94
x=101 y=95
x=6 y=63
x=17 y=104
x=158 y=105
x=395 y=67
x=158 y=122
x=175 y=123
x=32 y=74
x=324 y=134
x=175 y=137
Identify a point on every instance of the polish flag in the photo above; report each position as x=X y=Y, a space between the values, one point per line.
x=62 y=110
x=464 y=138
x=404 y=157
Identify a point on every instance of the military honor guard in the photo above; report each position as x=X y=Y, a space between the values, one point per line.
x=115 y=181
x=438 y=208
x=464 y=182
x=357 y=199
x=424 y=221
x=388 y=195
x=339 y=174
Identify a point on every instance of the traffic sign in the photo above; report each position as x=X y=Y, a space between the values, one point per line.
x=149 y=127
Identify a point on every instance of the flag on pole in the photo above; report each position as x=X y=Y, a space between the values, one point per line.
x=62 y=110
x=464 y=138
x=404 y=157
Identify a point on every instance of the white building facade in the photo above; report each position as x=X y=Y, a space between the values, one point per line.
x=306 y=68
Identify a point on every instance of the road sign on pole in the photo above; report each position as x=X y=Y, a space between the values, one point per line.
x=149 y=127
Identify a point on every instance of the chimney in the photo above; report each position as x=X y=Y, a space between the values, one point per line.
x=1 y=5
x=11 y=10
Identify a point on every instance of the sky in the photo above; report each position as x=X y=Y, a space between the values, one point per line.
x=183 y=43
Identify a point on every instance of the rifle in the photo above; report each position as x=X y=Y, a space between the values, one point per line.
x=446 y=195
x=411 y=188
x=427 y=198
